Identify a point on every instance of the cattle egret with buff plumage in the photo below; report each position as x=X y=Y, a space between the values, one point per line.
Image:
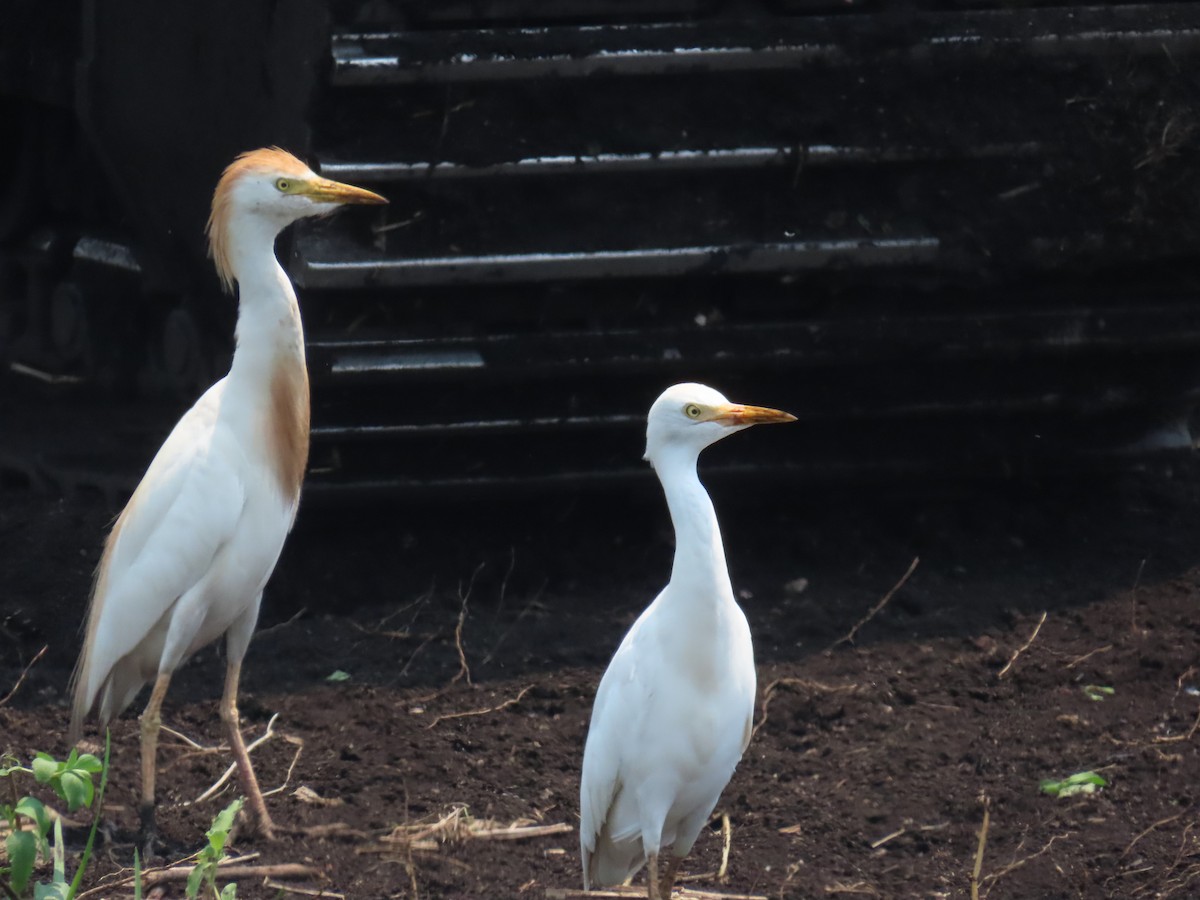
x=673 y=712
x=187 y=559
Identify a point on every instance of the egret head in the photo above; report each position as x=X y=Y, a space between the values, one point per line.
x=273 y=189
x=694 y=416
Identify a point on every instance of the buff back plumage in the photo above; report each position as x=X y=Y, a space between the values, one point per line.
x=268 y=159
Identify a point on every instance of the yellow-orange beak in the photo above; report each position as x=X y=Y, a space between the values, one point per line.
x=323 y=190
x=735 y=414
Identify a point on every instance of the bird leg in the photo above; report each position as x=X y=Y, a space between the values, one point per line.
x=667 y=882
x=229 y=715
x=151 y=722
x=652 y=876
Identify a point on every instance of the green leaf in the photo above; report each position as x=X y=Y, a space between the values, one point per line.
x=89 y=764
x=223 y=823
x=22 y=852
x=57 y=890
x=86 y=857
x=1097 y=692
x=60 y=856
x=32 y=808
x=229 y=892
x=45 y=767
x=1073 y=785
x=194 y=879
x=338 y=675
x=76 y=789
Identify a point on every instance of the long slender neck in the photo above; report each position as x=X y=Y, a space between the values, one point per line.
x=269 y=331
x=268 y=374
x=699 y=553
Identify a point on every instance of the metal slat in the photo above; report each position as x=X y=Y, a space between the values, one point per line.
x=513 y=53
x=405 y=360
x=1102 y=401
x=849 y=341
x=321 y=267
x=673 y=161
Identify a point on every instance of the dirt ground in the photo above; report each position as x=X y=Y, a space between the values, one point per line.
x=871 y=766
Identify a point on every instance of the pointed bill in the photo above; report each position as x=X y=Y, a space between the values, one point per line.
x=323 y=190
x=738 y=414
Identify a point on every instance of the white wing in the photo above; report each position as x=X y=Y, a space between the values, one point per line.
x=621 y=703
x=182 y=513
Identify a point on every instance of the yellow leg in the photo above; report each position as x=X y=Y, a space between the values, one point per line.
x=151 y=722
x=229 y=715
x=668 y=878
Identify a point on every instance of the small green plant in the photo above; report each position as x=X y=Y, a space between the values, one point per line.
x=30 y=822
x=338 y=675
x=1079 y=783
x=1098 y=692
x=203 y=878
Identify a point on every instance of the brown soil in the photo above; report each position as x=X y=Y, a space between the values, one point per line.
x=872 y=764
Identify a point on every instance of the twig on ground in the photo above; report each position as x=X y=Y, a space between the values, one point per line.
x=109 y=881
x=378 y=630
x=1183 y=846
x=24 y=672
x=455 y=827
x=1145 y=832
x=722 y=873
x=1013 y=866
x=308 y=892
x=298 y=743
x=1180 y=737
x=520 y=832
x=232 y=873
x=279 y=626
x=1033 y=637
x=875 y=845
x=680 y=893
x=979 y=848
x=859 y=887
x=726 y=843
x=464 y=671
x=482 y=712
x=250 y=748
x=815 y=686
x=198 y=747
x=1073 y=663
x=848 y=638
x=1184 y=676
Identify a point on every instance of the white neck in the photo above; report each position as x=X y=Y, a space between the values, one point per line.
x=699 y=566
x=268 y=325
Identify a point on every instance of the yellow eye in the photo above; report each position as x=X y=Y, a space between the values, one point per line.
x=283 y=185
x=692 y=411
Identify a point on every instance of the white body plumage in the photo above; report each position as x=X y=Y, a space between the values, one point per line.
x=674 y=709
x=187 y=559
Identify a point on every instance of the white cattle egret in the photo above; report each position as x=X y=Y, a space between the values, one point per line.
x=673 y=712
x=187 y=559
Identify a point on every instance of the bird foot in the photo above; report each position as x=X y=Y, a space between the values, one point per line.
x=148 y=833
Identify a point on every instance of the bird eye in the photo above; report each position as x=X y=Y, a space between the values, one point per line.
x=283 y=184
x=692 y=411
